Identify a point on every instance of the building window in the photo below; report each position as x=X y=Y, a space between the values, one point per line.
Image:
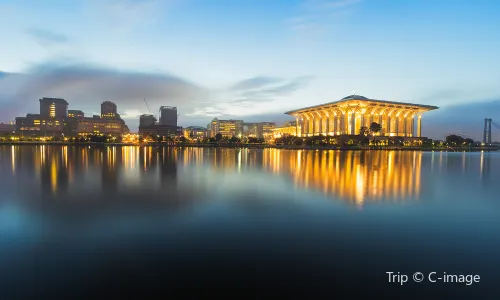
x=52 y=110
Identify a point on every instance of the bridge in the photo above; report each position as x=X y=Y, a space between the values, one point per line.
x=487 y=130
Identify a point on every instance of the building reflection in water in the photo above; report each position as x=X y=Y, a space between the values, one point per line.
x=53 y=169
x=353 y=176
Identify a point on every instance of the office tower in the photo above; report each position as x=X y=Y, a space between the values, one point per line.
x=53 y=108
x=168 y=115
x=108 y=110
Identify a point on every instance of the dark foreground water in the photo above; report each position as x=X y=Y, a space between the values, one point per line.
x=101 y=222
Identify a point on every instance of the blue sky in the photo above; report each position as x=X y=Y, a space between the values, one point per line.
x=253 y=59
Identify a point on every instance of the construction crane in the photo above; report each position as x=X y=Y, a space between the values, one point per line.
x=147 y=105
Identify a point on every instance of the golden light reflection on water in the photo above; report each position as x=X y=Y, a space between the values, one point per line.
x=13 y=157
x=354 y=176
x=53 y=176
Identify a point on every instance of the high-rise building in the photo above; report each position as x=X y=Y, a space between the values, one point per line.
x=108 y=110
x=146 y=120
x=168 y=115
x=53 y=108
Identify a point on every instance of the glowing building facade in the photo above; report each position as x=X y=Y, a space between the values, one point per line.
x=261 y=130
x=53 y=108
x=99 y=126
x=76 y=114
x=227 y=128
x=289 y=128
x=195 y=132
x=348 y=115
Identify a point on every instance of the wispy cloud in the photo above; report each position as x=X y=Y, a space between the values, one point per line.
x=127 y=15
x=314 y=15
x=47 y=38
x=249 y=95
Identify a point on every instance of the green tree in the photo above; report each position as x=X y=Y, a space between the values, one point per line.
x=454 y=139
x=364 y=131
x=218 y=137
x=375 y=127
x=234 y=140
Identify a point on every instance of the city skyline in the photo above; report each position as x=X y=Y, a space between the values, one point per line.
x=253 y=60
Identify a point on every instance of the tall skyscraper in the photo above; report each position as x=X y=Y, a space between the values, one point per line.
x=53 y=108
x=168 y=115
x=108 y=110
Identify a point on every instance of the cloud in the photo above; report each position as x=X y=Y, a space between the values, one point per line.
x=47 y=38
x=85 y=86
x=251 y=95
x=125 y=16
x=466 y=119
x=255 y=82
x=314 y=15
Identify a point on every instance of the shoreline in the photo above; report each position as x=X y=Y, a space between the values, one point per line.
x=257 y=146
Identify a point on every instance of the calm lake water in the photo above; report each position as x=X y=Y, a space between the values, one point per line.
x=76 y=220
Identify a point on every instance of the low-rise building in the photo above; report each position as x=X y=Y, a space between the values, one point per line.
x=288 y=128
x=7 y=129
x=75 y=114
x=195 y=132
x=36 y=125
x=98 y=125
x=261 y=130
x=227 y=128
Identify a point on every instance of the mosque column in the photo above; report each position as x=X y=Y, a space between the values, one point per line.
x=397 y=125
x=310 y=125
x=353 y=123
x=303 y=125
x=335 y=120
x=413 y=126
x=389 y=125
x=319 y=129
x=341 y=123
x=314 y=125
x=296 y=126
x=419 y=126
x=326 y=128
x=380 y=123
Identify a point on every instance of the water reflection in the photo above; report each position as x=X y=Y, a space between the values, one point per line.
x=353 y=176
x=356 y=177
